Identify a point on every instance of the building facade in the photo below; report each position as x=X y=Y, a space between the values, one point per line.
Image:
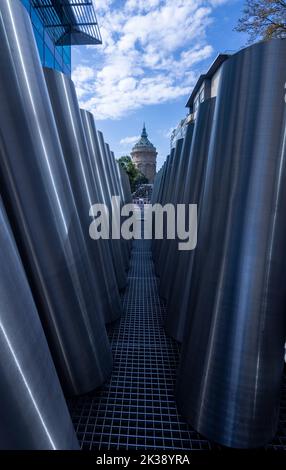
x=205 y=88
x=207 y=84
x=58 y=25
x=144 y=156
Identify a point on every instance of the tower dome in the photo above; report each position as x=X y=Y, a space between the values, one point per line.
x=144 y=156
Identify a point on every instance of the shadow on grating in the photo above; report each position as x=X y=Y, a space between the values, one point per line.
x=136 y=409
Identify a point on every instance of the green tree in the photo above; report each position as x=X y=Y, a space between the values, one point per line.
x=135 y=176
x=263 y=19
x=140 y=179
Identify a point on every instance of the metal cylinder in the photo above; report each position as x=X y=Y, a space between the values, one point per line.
x=125 y=185
x=103 y=179
x=168 y=272
x=124 y=192
x=118 y=193
x=233 y=353
x=157 y=184
x=163 y=198
x=34 y=415
x=41 y=208
x=76 y=153
x=118 y=254
x=178 y=311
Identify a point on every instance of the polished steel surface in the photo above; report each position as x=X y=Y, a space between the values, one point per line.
x=118 y=255
x=125 y=185
x=118 y=192
x=233 y=353
x=168 y=199
x=76 y=153
x=126 y=198
x=168 y=273
x=98 y=182
x=192 y=184
x=157 y=244
x=157 y=184
x=103 y=179
x=33 y=410
x=41 y=208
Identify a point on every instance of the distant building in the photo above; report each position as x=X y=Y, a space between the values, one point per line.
x=144 y=156
x=205 y=88
x=58 y=25
x=207 y=84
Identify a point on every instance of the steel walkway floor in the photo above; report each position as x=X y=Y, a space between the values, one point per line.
x=136 y=409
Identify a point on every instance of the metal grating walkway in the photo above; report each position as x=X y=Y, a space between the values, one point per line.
x=136 y=409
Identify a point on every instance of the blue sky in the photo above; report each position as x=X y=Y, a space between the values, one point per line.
x=152 y=54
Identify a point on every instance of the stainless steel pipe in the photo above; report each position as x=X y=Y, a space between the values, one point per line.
x=76 y=153
x=41 y=208
x=118 y=193
x=233 y=353
x=103 y=179
x=118 y=255
x=171 y=253
x=178 y=311
x=34 y=415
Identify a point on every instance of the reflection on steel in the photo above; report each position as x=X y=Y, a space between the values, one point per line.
x=118 y=258
x=118 y=192
x=232 y=358
x=192 y=184
x=125 y=184
x=158 y=183
x=41 y=208
x=98 y=181
x=169 y=262
x=76 y=153
x=103 y=181
x=157 y=197
x=163 y=199
x=168 y=198
x=34 y=414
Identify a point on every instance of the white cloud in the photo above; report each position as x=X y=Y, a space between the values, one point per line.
x=141 y=5
x=150 y=54
x=102 y=5
x=83 y=74
x=129 y=140
x=216 y=3
x=167 y=133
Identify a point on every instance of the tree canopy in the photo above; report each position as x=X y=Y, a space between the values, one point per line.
x=263 y=19
x=135 y=176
